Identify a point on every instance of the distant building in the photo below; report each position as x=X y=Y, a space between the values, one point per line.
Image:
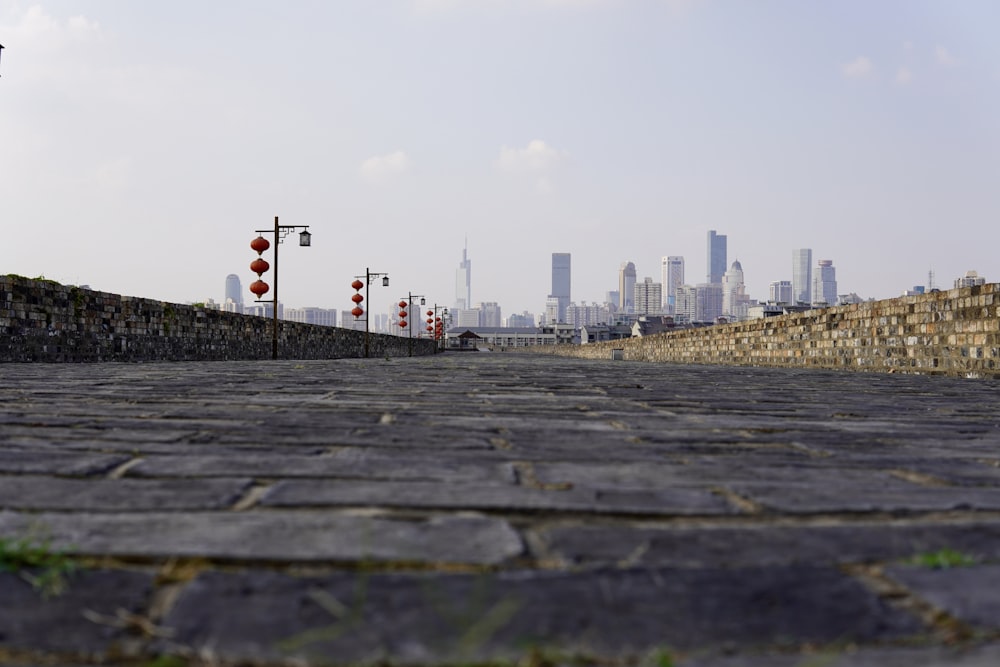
x=802 y=276
x=326 y=317
x=709 y=302
x=561 y=283
x=734 y=293
x=234 y=292
x=648 y=298
x=824 y=290
x=672 y=269
x=489 y=314
x=716 y=257
x=584 y=315
x=463 y=281
x=626 y=287
x=686 y=305
x=522 y=320
x=970 y=279
x=780 y=291
x=465 y=317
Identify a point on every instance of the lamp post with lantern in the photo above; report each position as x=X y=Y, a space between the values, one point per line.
x=259 y=266
x=406 y=307
x=358 y=311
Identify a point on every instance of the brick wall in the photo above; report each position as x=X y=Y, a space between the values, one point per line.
x=44 y=321
x=956 y=332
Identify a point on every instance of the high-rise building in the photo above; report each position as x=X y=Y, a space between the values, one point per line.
x=463 y=281
x=648 y=298
x=626 y=288
x=780 y=291
x=825 y=284
x=234 y=291
x=561 y=282
x=686 y=305
x=709 y=298
x=802 y=276
x=672 y=270
x=716 y=257
x=584 y=315
x=733 y=289
x=489 y=314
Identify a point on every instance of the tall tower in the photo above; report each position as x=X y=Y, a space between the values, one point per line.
x=463 y=281
x=802 y=276
x=825 y=283
x=626 y=288
x=561 y=282
x=672 y=277
x=234 y=292
x=716 y=257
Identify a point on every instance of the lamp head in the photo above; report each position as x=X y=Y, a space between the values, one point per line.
x=305 y=238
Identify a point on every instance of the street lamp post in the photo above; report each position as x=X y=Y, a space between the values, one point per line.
x=368 y=281
x=259 y=288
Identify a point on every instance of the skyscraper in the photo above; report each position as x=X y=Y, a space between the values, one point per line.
x=626 y=288
x=672 y=269
x=802 y=276
x=733 y=289
x=716 y=257
x=561 y=282
x=825 y=283
x=234 y=292
x=463 y=281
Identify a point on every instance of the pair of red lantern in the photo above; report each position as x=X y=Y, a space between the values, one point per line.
x=259 y=266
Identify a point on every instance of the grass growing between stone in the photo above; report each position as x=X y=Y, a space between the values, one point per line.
x=942 y=559
x=35 y=561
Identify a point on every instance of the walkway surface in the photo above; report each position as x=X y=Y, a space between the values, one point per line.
x=496 y=509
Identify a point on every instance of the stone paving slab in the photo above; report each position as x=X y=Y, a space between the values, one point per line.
x=606 y=613
x=970 y=594
x=278 y=535
x=519 y=509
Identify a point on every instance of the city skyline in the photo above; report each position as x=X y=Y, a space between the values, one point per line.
x=614 y=132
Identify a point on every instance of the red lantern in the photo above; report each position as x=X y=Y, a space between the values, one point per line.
x=259 y=266
x=260 y=244
x=259 y=287
x=357 y=284
x=357 y=298
x=402 y=304
x=429 y=313
x=429 y=329
x=402 y=324
x=357 y=312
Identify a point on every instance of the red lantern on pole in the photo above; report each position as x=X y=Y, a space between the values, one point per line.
x=357 y=312
x=260 y=244
x=259 y=287
x=357 y=298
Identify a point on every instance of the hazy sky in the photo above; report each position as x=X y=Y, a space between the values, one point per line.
x=143 y=143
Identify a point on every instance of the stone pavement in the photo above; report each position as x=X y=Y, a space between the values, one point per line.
x=501 y=509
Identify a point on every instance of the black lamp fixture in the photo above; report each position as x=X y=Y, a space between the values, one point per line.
x=1 y=50
x=305 y=238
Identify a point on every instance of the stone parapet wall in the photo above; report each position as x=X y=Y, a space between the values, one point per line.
x=955 y=332
x=41 y=320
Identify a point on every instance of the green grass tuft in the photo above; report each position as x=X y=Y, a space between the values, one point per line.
x=37 y=563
